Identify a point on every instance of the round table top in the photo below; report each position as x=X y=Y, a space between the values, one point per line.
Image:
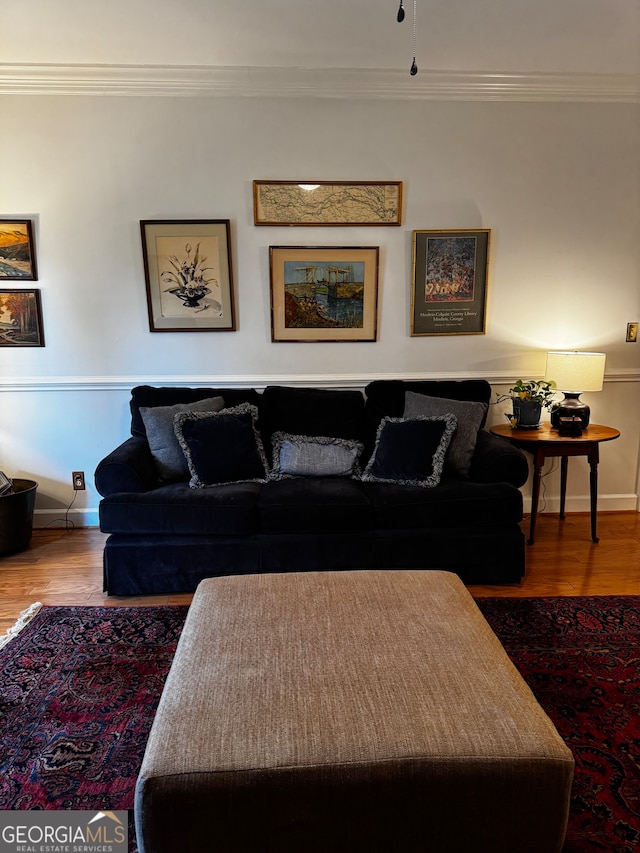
x=547 y=433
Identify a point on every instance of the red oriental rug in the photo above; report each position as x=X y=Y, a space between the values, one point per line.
x=80 y=686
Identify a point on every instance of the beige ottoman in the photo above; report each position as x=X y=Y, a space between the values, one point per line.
x=348 y=711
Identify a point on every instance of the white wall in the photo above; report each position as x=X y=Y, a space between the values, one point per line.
x=557 y=183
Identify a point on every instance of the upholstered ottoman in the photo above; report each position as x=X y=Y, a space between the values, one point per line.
x=348 y=711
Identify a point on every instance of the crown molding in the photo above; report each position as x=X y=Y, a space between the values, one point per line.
x=273 y=82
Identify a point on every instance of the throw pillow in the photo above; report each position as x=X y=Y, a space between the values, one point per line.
x=222 y=447
x=314 y=456
x=411 y=451
x=469 y=416
x=165 y=449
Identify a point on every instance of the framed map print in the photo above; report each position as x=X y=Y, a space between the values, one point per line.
x=327 y=203
x=449 y=282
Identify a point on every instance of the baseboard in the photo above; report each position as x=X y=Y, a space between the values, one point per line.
x=62 y=518
x=582 y=503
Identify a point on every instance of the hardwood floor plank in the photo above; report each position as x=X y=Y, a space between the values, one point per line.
x=62 y=567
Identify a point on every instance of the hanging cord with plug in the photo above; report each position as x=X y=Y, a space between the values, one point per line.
x=400 y=18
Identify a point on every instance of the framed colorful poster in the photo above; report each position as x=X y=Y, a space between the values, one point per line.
x=187 y=269
x=324 y=293
x=21 y=318
x=17 y=251
x=449 y=282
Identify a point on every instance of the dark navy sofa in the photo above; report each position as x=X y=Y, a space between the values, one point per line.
x=165 y=536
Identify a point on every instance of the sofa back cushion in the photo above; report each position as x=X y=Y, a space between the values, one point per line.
x=386 y=398
x=469 y=415
x=151 y=396
x=310 y=412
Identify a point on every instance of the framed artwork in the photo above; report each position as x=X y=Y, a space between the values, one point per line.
x=327 y=202
x=449 y=282
x=324 y=293
x=17 y=251
x=21 y=318
x=187 y=269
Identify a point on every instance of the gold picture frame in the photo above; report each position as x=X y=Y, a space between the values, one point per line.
x=449 y=282
x=188 y=275
x=324 y=293
x=327 y=202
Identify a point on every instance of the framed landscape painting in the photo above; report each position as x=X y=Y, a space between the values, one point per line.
x=17 y=251
x=188 y=275
x=324 y=293
x=449 y=282
x=21 y=318
x=327 y=202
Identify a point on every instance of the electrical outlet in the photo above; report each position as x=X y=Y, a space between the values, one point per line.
x=632 y=333
x=77 y=478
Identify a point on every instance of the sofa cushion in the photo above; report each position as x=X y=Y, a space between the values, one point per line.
x=150 y=395
x=456 y=503
x=469 y=416
x=177 y=509
x=385 y=398
x=310 y=411
x=222 y=447
x=314 y=505
x=411 y=451
x=313 y=456
x=163 y=442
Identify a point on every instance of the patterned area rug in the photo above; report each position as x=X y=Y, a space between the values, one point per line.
x=80 y=686
x=581 y=658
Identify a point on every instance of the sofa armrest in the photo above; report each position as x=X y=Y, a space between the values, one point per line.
x=496 y=460
x=128 y=468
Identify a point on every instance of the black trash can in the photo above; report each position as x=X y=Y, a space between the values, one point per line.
x=16 y=516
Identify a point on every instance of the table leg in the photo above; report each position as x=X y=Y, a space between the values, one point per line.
x=564 y=464
x=538 y=463
x=593 y=481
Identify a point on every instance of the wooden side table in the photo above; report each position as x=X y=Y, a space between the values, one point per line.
x=546 y=441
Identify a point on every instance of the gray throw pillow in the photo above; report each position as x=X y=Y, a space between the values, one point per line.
x=469 y=416
x=314 y=456
x=163 y=442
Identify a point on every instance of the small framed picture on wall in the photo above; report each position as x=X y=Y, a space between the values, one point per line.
x=17 y=251
x=449 y=282
x=21 y=318
x=188 y=275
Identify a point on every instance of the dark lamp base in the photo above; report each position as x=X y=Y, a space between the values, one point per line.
x=571 y=407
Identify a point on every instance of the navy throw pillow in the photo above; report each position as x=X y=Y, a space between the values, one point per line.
x=222 y=447
x=411 y=451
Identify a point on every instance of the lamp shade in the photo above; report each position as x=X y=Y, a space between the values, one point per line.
x=576 y=371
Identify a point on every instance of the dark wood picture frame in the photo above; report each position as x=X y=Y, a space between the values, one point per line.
x=17 y=251
x=21 y=318
x=188 y=275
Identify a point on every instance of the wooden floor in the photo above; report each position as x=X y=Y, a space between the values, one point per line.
x=65 y=567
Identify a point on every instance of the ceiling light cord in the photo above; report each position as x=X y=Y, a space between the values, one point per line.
x=400 y=18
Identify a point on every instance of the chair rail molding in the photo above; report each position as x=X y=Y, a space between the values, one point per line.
x=260 y=381
x=278 y=82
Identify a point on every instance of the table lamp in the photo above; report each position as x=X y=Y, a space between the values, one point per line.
x=574 y=373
